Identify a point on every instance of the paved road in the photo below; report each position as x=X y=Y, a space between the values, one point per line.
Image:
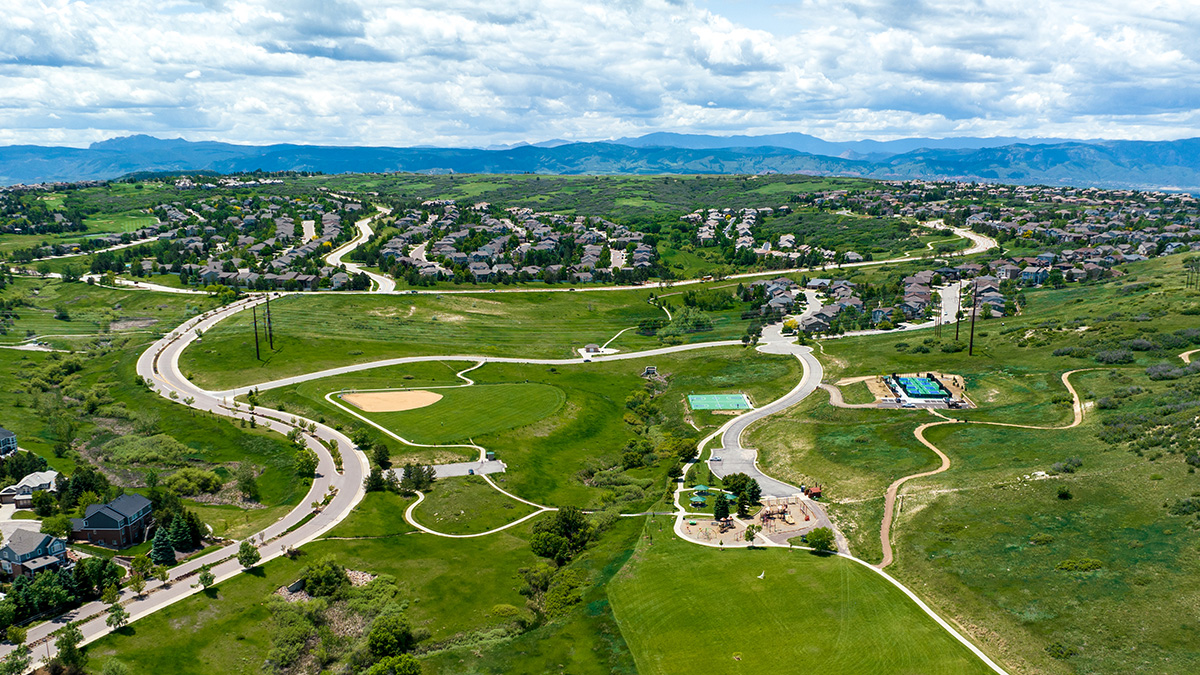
x=383 y=284
x=160 y=364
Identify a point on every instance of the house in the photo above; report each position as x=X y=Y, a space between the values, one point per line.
x=27 y=552
x=117 y=524
x=1035 y=275
x=21 y=494
x=8 y=442
x=592 y=349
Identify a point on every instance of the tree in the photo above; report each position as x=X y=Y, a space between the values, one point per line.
x=206 y=577
x=821 y=539
x=117 y=616
x=180 y=538
x=142 y=565
x=67 y=641
x=390 y=636
x=381 y=456
x=375 y=482
x=161 y=552
x=111 y=594
x=721 y=508
x=306 y=463
x=57 y=526
x=562 y=536
x=751 y=532
x=743 y=506
x=246 y=481
x=17 y=662
x=16 y=634
x=248 y=556
x=162 y=574
x=44 y=504
x=325 y=578
x=137 y=582
x=404 y=664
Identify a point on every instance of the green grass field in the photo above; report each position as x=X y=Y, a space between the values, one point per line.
x=467 y=412
x=467 y=505
x=355 y=329
x=686 y=608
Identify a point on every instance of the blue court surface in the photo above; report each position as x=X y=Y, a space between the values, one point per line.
x=922 y=387
x=719 y=402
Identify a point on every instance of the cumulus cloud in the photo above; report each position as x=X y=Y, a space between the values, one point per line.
x=461 y=72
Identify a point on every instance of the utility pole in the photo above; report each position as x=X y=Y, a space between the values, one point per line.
x=270 y=330
x=958 y=309
x=257 y=355
x=974 y=311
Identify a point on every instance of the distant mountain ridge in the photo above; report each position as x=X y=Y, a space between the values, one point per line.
x=1138 y=164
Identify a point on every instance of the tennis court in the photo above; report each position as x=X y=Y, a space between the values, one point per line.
x=718 y=402
x=922 y=387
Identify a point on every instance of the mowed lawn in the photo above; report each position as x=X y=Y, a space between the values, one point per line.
x=467 y=412
x=685 y=608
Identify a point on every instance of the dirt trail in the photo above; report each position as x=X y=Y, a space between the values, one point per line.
x=1187 y=356
x=889 y=504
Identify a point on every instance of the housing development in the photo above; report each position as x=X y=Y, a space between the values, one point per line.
x=397 y=423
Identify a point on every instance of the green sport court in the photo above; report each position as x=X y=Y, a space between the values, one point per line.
x=718 y=402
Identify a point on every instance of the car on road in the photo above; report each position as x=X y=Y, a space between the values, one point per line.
x=908 y=404
x=715 y=459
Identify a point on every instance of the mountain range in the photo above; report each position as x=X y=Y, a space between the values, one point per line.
x=1173 y=165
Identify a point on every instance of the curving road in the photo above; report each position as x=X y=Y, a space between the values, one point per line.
x=159 y=366
x=383 y=284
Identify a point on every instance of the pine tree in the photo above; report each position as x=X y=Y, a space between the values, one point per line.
x=162 y=553
x=721 y=508
x=181 y=540
x=743 y=506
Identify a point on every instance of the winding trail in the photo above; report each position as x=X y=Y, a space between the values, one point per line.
x=1187 y=356
x=382 y=284
x=889 y=503
x=337 y=490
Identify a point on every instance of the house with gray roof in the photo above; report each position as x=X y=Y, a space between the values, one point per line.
x=118 y=524
x=27 y=552
x=8 y=442
x=21 y=494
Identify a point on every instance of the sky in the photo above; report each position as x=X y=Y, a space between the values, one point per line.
x=462 y=73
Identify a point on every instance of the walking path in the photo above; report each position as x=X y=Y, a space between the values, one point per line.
x=1187 y=356
x=889 y=503
x=343 y=489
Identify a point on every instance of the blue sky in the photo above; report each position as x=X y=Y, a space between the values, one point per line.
x=458 y=72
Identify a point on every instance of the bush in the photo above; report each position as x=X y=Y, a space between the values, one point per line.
x=325 y=578
x=953 y=347
x=191 y=481
x=919 y=349
x=1040 y=539
x=390 y=636
x=1079 y=565
x=821 y=539
x=1064 y=493
x=1060 y=651
x=1114 y=356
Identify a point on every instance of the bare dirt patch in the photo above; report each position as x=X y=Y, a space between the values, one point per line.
x=392 y=401
x=131 y=324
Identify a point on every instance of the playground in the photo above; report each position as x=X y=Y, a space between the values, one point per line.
x=719 y=402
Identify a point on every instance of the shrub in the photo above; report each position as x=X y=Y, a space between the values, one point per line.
x=1041 y=539
x=953 y=347
x=1079 y=565
x=1114 y=356
x=192 y=481
x=919 y=349
x=1185 y=507
x=1064 y=492
x=1060 y=651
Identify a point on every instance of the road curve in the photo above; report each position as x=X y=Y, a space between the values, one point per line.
x=889 y=502
x=160 y=366
x=383 y=284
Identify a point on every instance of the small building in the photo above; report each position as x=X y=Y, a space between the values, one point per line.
x=8 y=442
x=592 y=348
x=27 y=552
x=117 y=524
x=21 y=494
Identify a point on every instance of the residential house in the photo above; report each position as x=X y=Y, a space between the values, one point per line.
x=21 y=494
x=8 y=442
x=117 y=524
x=27 y=552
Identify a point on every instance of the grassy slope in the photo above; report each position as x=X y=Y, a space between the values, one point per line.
x=963 y=537
x=687 y=608
x=319 y=332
